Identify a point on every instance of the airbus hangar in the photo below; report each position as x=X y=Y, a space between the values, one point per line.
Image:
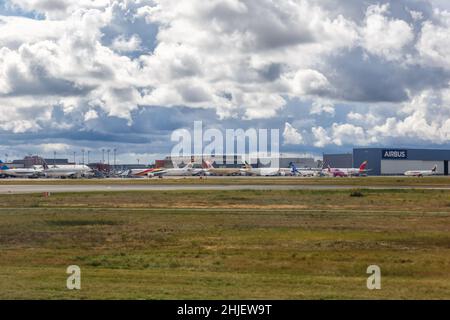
x=397 y=161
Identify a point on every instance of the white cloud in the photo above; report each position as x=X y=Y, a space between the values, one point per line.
x=310 y=82
x=248 y=50
x=383 y=36
x=20 y=126
x=90 y=115
x=291 y=135
x=15 y=31
x=59 y=9
x=70 y=63
x=321 y=138
x=123 y=44
x=348 y=134
x=322 y=107
x=50 y=147
x=416 y=15
x=367 y=119
x=434 y=42
x=245 y=60
x=424 y=118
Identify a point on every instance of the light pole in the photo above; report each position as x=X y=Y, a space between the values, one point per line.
x=89 y=153
x=115 y=151
x=6 y=157
x=103 y=156
x=54 y=158
x=138 y=160
x=82 y=152
x=74 y=158
x=109 y=167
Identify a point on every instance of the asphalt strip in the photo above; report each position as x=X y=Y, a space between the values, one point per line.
x=24 y=189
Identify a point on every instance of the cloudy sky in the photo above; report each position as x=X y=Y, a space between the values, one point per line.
x=329 y=74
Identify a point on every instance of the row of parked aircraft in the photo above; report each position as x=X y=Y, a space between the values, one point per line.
x=248 y=170
x=54 y=171
x=362 y=170
x=207 y=169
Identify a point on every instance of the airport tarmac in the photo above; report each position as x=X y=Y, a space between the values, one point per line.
x=23 y=189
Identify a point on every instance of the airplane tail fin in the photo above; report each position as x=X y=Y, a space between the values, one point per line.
x=363 y=166
x=434 y=168
x=293 y=167
x=3 y=166
x=44 y=165
x=206 y=164
x=247 y=165
x=329 y=168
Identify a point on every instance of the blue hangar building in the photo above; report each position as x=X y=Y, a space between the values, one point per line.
x=386 y=161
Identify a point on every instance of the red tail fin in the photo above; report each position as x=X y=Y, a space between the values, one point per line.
x=363 y=166
x=206 y=164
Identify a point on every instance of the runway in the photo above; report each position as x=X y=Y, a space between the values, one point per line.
x=24 y=189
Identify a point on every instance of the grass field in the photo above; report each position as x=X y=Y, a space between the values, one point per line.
x=226 y=244
x=437 y=181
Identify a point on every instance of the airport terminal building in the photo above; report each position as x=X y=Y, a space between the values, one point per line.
x=385 y=161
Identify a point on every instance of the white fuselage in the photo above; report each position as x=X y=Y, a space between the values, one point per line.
x=65 y=171
x=264 y=172
x=22 y=173
x=142 y=173
x=179 y=172
x=305 y=172
x=211 y=171
x=344 y=171
x=420 y=173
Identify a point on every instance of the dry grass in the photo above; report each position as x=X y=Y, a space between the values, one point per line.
x=226 y=245
x=441 y=181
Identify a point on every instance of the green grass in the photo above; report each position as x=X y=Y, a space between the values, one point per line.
x=226 y=244
x=353 y=181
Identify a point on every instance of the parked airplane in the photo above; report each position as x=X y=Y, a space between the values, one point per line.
x=209 y=169
x=345 y=172
x=20 y=172
x=142 y=173
x=188 y=170
x=265 y=172
x=67 y=171
x=303 y=172
x=422 y=173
